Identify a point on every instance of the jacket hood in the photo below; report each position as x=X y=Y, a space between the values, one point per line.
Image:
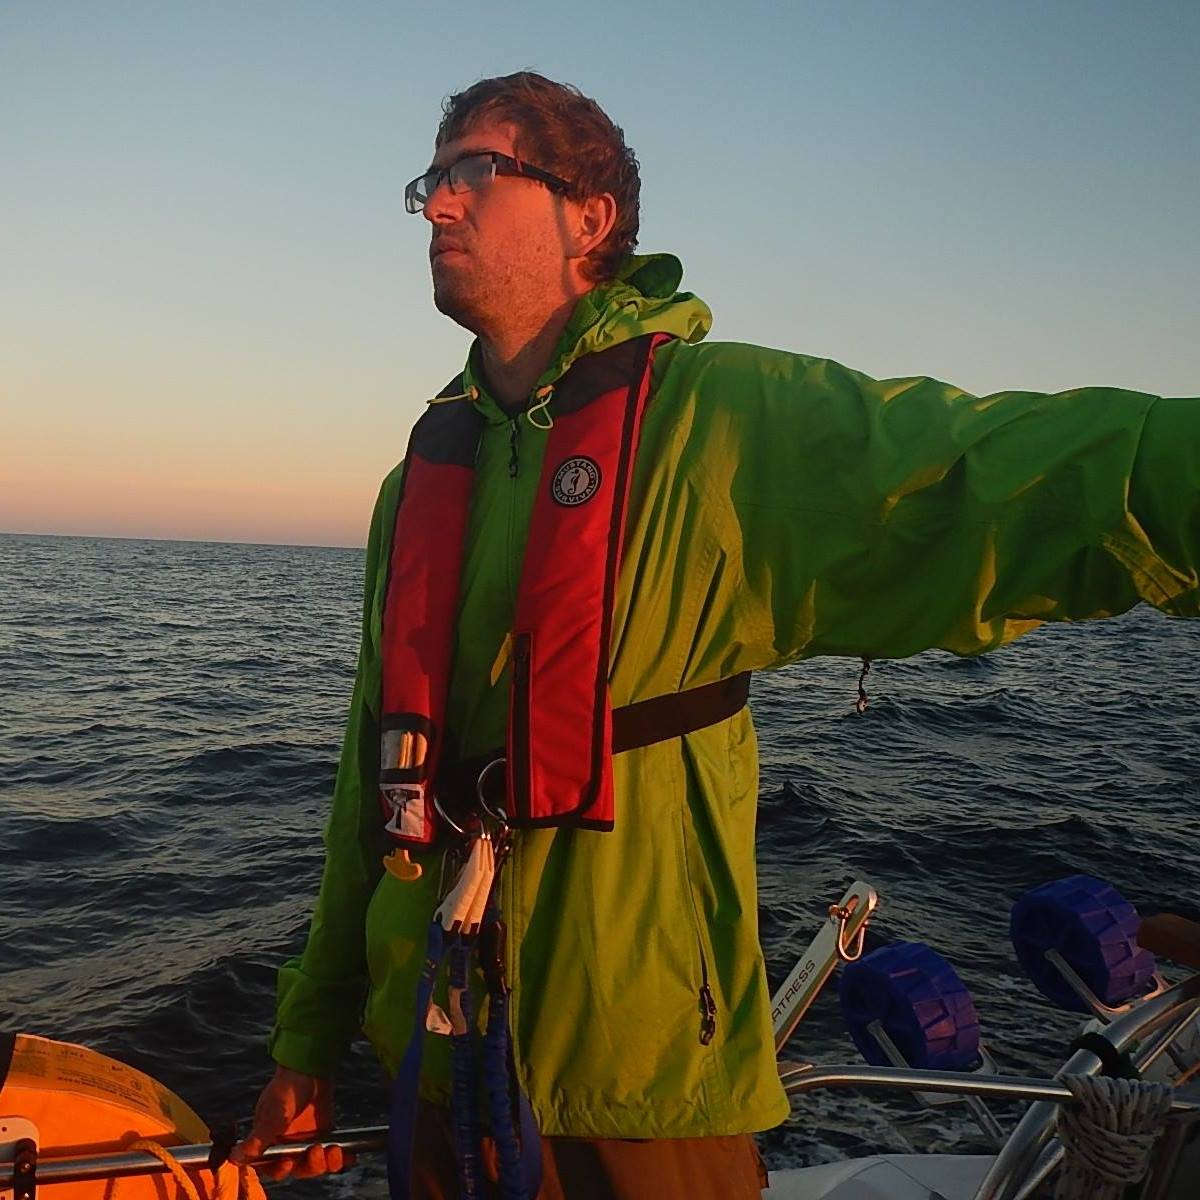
x=641 y=299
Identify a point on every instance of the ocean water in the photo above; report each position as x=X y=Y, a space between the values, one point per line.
x=170 y=717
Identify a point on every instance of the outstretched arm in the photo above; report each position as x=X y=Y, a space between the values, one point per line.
x=888 y=517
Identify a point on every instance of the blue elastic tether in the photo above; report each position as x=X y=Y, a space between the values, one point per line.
x=531 y=1144
x=402 y=1122
x=496 y=1080
x=464 y=1106
x=520 y=1162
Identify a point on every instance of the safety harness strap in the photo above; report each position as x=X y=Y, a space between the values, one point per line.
x=644 y=723
x=664 y=717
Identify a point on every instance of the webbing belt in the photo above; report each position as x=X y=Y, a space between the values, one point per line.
x=659 y=719
x=677 y=713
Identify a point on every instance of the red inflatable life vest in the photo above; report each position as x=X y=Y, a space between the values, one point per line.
x=560 y=731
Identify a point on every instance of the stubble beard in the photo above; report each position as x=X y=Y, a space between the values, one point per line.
x=454 y=298
x=478 y=300
x=513 y=287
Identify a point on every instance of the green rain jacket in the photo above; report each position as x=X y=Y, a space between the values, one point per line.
x=782 y=507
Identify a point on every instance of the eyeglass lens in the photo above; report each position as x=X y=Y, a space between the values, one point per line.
x=466 y=175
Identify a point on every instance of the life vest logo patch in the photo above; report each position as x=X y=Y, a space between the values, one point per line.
x=575 y=481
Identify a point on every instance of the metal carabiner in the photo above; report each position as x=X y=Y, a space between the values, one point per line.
x=497 y=814
x=441 y=812
x=452 y=863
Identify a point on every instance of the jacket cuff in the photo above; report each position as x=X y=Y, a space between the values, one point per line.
x=315 y=1020
x=304 y=1053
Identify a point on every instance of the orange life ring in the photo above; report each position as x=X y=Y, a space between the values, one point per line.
x=81 y=1102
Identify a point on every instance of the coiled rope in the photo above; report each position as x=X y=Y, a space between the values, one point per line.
x=1108 y=1134
x=233 y=1181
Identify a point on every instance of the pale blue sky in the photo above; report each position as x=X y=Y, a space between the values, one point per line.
x=214 y=313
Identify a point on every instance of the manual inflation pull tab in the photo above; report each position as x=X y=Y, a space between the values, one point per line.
x=400 y=865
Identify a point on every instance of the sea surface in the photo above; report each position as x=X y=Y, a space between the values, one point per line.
x=170 y=718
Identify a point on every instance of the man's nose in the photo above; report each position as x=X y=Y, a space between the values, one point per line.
x=443 y=207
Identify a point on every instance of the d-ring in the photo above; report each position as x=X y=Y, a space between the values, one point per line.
x=441 y=812
x=497 y=814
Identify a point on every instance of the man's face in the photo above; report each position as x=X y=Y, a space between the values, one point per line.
x=499 y=255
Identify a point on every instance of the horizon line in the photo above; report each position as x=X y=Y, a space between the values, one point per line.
x=196 y=541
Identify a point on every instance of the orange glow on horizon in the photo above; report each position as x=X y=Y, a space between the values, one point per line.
x=322 y=516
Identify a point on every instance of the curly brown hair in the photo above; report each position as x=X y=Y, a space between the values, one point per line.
x=567 y=133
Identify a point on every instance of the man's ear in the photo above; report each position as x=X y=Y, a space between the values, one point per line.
x=592 y=222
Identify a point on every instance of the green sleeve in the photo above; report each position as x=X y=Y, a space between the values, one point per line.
x=321 y=993
x=884 y=518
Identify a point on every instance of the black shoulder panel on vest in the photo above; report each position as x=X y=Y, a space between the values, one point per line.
x=597 y=374
x=8 y=1043
x=448 y=433
x=456 y=387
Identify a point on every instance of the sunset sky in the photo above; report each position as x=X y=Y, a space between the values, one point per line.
x=215 y=316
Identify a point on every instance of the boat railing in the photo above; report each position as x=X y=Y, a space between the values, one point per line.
x=1031 y=1151
x=1026 y=1159
x=126 y=1164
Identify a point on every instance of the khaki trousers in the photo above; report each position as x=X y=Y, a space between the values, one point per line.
x=708 y=1168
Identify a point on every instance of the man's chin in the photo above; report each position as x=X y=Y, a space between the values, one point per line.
x=453 y=302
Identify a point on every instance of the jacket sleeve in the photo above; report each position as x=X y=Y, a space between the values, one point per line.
x=883 y=518
x=320 y=994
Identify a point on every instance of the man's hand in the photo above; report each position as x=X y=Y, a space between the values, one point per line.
x=290 y=1107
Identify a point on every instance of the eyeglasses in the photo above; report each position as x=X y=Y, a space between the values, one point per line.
x=472 y=174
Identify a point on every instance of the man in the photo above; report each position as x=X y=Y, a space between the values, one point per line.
x=778 y=507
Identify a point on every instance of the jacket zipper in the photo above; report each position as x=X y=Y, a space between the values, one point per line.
x=522 y=647
x=513 y=456
x=707 y=1002
x=708 y=1005
x=514 y=465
